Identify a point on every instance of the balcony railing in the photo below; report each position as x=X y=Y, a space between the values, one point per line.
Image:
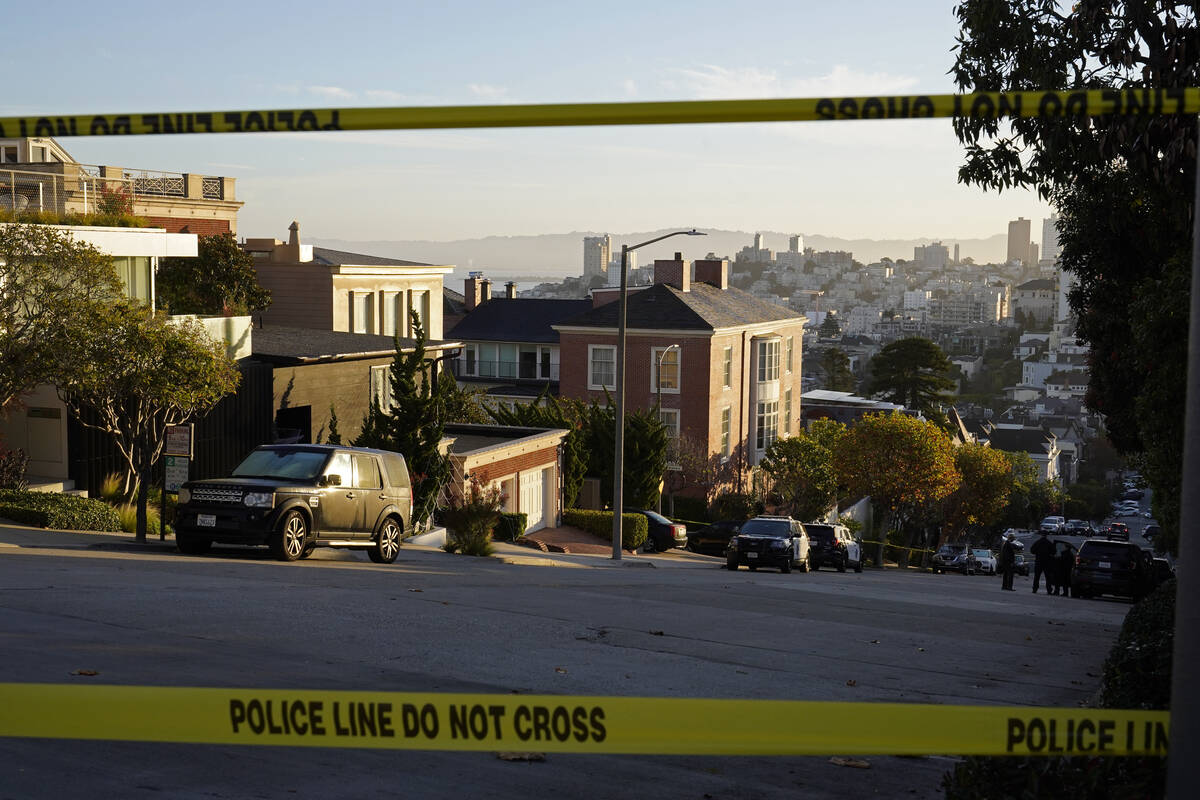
x=504 y=370
x=89 y=189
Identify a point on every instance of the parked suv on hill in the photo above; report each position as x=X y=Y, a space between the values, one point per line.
x=770 y=542
x=833 y=546
x=296 y=497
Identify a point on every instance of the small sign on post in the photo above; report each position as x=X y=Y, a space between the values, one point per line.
x=177 y=455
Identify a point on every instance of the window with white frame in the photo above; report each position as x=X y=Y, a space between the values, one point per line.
x=602 y=366
x=388 y=314
x=664 y=370
x=787 y=412
x=381 y=386
x=727 y=368
x=362 y=312
x=768 y=423
x=725 y=428
x=788 y=354
x=670 y=420
x=768 y=360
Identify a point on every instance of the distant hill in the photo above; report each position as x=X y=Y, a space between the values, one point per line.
x=557 y=255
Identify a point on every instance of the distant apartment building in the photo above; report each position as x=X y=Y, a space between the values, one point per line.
x=633 y=276
x=1018 y=240
x=795 y=243
x=597 y=253
x=932 y=256
x=916 y=299
x=758 y=253
x=1051 y=249
x=860 y=320
x=836 y=259
x=38 y=174
x=1036 y=301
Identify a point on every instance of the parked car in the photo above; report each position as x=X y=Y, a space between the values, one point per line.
x=712 y=539
x=1077 y=527
x=947 y=556
x=1151 y=531
x=1133 y=494
x=294 y=498
x=985 y=561
x=1116 y=568
x=1052 y=525
x=770 y=542
x=833 y=546
x=1117 y=530
x=1020 y=565
x=661 y=534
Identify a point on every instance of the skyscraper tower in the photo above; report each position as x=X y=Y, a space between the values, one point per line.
x=597 y=252
x=796 y=243
x=1051 y=249
x=1018 y=240
x=758 y=242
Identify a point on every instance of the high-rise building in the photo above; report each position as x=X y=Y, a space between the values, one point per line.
x=758 y=242
x=956 y=261
x=1051 y=249
x=796 y=243
x=932 y=256
x=597 y=252
x=1018 y=240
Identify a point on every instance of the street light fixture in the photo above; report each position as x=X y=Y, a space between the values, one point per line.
x=619 y=449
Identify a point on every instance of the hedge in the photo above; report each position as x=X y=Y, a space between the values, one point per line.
x=634 y=528
x=62 y=511
x=690 y=508
x=510 y=526
x=1137 y=674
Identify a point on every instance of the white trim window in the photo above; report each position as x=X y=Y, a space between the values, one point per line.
x=726 y=424
x=602 y=366
x=390 y=312
x=381 y=386
x=767 y=427
x=768 y=360
x=668 y=380
x=727 y=368
x=788 y=354
x=669 y=417
x=362 y=312
x=787 y=410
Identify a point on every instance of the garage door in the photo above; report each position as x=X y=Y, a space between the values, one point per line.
x=533 y=492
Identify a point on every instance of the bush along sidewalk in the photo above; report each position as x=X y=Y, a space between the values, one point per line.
x=61 y=511
x=634 y=528
x=1137 y=675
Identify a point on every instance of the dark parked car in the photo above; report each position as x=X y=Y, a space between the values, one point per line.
x=1107 y=567
x=833 y=546
x=770 y=542
x=949 y=557
x=1020 y=565
x=294 y=498
x=1117 y=530
x=1151 y=531
x=662 y=534
x=712 y=539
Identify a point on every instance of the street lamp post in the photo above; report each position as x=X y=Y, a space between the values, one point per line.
x=619 y=449
x=658 y=390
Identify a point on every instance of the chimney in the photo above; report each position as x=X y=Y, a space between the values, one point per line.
x=714 y=272
x=675 y=272
x=289 y=251
x=471 y=289
x=485 y=290
x=510 y=290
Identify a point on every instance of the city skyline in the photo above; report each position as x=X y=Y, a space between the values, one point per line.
x=879 y=179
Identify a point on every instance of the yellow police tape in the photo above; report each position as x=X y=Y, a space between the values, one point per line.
x=982 y=104
x=567 y=724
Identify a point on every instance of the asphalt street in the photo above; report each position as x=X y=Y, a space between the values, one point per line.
x=436 y=622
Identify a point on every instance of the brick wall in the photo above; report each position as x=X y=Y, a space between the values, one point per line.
x=200 y=227
x=537 y=459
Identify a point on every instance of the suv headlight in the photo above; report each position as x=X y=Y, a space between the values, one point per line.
x=259 y=499
x=185 y=495
x=779 y=544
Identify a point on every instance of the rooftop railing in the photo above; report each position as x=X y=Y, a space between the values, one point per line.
x=91 y=189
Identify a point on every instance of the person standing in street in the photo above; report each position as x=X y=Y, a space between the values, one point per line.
x=1008 y=559
x=1065 y=563
x=1043 y=552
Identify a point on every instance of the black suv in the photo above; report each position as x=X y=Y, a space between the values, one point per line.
x=296 y=497
x=1108 y=567
x=833 y=546
x=770 y=542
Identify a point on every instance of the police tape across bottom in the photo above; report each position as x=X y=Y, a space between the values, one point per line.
x=553 y=723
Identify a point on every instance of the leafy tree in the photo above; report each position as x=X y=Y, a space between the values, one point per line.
x=52 y=289
x=549 y=411
x=141 y=373
x=1122 y=185
x=220 y=280
x=1032 y=497
x=645 y=453
x=913 y=372
x=802 y=473
x=836 y=365
x=981 y=498
x=905 y=464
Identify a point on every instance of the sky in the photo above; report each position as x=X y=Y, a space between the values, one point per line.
x=876 y=179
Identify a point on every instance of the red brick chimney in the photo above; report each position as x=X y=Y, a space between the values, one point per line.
x=485 y=290
x=675 y=272
x=472 y=288
x=510 y=290
x=713 y=271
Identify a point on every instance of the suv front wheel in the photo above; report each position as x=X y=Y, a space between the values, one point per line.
x=289 y=542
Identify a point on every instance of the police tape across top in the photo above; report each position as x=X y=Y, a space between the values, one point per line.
x=989 y=105
x=567 y=724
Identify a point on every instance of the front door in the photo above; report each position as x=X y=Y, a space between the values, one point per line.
x=339 y=504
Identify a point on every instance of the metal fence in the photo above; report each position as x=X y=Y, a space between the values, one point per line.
x=89 y=189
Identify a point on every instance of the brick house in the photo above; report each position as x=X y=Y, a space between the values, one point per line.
x=729 y=362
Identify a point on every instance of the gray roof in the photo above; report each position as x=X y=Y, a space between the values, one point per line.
x=705 y=307
x=282 y=345
x=338 y=258
x=1020 y=440
x=521 y=319
x=1036 y=284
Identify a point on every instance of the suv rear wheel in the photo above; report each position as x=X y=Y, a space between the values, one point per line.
x=289 y=542
x=387 y=543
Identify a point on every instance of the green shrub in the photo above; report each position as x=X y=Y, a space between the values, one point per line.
x=634 y=528
x=691 y=508
x=511 y=525
x=65 y=512
x=1137 y=674
x=732 y=505
x=12 y=469
x=471 y=519
x=127 y=514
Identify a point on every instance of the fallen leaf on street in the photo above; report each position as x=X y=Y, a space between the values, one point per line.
x=857 y=763
x=85 y=672
x=852 y=682
x=561 y=670
x=521 y=756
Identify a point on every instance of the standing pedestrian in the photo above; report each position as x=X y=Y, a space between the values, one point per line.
x=1065 y=565
x=1043 y=552
x=1008 y=559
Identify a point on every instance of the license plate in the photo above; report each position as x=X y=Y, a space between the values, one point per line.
x=1105 y=565
x=751 y=555
x=206 y=520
